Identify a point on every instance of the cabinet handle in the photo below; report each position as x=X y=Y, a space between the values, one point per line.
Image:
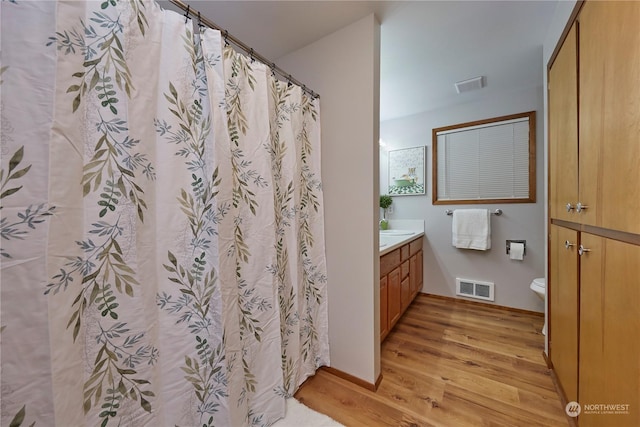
x=580 y=207
x=568 y=244
x=582 y=250
x=569 y=207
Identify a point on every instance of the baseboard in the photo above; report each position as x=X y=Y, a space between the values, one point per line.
x=352 y=379
x=484 y=304
x=573 y=422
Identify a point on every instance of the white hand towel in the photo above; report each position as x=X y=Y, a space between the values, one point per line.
x=471 y=229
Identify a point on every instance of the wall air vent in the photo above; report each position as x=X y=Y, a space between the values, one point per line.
x=475 y=289
x=470 y=84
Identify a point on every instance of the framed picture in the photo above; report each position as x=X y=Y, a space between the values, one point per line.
x=406 y=172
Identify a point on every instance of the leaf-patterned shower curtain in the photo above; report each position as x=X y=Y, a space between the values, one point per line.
x=162 y=223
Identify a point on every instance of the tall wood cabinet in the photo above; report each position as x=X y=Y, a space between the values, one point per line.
x=594 y=210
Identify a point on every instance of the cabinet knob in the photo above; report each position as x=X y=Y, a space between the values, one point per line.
x=580 y=207
x=582 y=250
x=569 y=207
x=568 y=244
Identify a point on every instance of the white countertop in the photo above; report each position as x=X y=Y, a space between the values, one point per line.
x=393 y=239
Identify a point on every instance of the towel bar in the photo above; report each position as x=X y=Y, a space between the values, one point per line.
x=497 y=212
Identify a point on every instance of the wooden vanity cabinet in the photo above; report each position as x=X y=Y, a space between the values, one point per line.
x=384 y=308
x=400 y=281
x=415 y=266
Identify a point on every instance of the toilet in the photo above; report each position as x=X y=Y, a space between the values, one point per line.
x=539 y=286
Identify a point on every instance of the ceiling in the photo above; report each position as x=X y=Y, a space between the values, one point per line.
x=426 y=46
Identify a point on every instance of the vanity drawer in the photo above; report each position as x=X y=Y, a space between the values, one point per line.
x=404 y=251
x=389 y=261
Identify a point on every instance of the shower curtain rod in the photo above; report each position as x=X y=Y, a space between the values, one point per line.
x=229 y=38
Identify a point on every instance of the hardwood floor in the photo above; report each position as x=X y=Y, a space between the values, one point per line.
x=449 y=364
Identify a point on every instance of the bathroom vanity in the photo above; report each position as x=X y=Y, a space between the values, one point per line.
x=401 y=275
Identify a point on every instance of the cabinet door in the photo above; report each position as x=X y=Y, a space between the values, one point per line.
x=404 y=269
x=609 y=148
x=419 y=271
x=609 y=325
x=416 y=274
x=394 y=301
x=413 y=275
x=384 y=313
x=563 y=308
x=405 y=293
x=563 y=130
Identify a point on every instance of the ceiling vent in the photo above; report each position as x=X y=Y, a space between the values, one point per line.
x=470 y=84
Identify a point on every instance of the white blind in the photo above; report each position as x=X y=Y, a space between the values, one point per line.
x=484 y=162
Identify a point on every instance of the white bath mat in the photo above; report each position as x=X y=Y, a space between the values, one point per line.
x=299 y=415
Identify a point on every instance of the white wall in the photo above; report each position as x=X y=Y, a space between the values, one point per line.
x=521 y=221
x=344 y=69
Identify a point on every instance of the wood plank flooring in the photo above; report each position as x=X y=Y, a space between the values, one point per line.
x=447 y=364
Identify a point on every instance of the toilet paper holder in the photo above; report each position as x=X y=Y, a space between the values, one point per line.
x=524 y=242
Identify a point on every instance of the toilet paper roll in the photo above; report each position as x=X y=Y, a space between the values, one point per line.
x=516 y=251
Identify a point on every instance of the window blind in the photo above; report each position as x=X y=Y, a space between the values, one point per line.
x=484 y=162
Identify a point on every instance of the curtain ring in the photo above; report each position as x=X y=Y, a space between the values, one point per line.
x=226 y=37
x=186 y=15
x=200 y=24
x=251 y=55
x=273 y=69
x=289 y=80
